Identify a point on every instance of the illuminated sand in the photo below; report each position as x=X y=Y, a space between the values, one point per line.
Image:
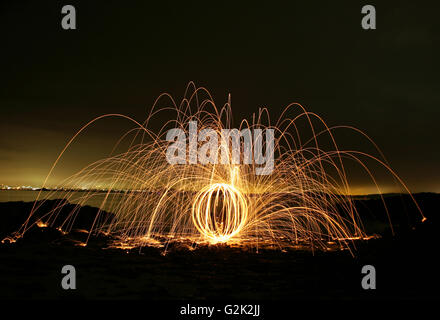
x=223 y=271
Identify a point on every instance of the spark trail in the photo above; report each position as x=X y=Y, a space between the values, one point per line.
x=306 y=200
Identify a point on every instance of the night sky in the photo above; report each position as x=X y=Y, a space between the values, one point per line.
x=124 y=54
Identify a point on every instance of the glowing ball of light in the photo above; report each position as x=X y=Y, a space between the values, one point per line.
x=219 y=212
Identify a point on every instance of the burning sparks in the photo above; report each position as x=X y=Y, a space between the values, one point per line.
x=305 y=201
x=41 y=224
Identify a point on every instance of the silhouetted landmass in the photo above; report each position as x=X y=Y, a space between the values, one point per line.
x=405 y=262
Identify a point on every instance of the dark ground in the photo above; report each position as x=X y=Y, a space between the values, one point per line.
x=405 y=264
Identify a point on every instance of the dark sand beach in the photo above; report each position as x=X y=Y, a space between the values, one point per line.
x=31 y=267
